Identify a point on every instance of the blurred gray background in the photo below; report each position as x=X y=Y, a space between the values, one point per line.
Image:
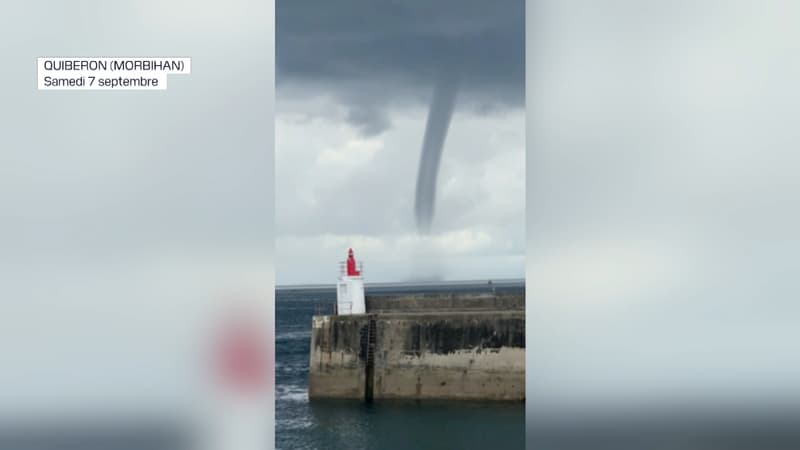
x=662 y=206
x=126 y=216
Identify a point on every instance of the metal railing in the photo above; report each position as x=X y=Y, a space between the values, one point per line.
x=343 y=268
x=324 y=309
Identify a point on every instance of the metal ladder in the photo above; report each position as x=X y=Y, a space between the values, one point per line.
x=370 y=366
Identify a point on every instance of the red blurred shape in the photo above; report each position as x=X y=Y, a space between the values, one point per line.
x=242 y=356
x=351 y=265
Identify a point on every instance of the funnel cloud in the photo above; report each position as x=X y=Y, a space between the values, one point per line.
x=439 y=114
x=356 y=83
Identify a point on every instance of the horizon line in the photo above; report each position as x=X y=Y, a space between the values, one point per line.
x=332 y=285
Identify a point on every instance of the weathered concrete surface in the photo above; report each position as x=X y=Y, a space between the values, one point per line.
x=336 y=370
x=468 y=355
x=445 y=302
x=477 y=355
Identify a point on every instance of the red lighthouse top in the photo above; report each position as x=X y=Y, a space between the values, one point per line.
x=351 y=264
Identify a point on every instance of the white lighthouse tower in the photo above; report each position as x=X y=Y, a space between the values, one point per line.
x=350 y=288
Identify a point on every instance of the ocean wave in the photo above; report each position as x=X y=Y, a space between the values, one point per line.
x=299 y=423
x=293 y=335
x=291 y=393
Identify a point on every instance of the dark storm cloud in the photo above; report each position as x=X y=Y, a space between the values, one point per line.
x=394 y=50
x=371 y=120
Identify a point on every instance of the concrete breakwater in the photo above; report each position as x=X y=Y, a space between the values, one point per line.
x=440 y=302
x=442 y=346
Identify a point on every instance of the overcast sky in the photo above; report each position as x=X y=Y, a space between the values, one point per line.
x=355 y=80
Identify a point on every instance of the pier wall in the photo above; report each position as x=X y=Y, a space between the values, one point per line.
x=337 y=363
x=423 y=354
x=445 y=302
x=475 y=355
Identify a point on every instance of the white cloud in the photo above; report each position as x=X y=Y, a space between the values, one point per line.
x=337 y=188
x=354 y=152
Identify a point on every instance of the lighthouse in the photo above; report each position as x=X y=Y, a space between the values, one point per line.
x=350 y=287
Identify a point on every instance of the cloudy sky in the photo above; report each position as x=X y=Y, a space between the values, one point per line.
x=354 y=82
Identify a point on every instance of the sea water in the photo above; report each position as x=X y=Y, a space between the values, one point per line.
x=301 y=424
